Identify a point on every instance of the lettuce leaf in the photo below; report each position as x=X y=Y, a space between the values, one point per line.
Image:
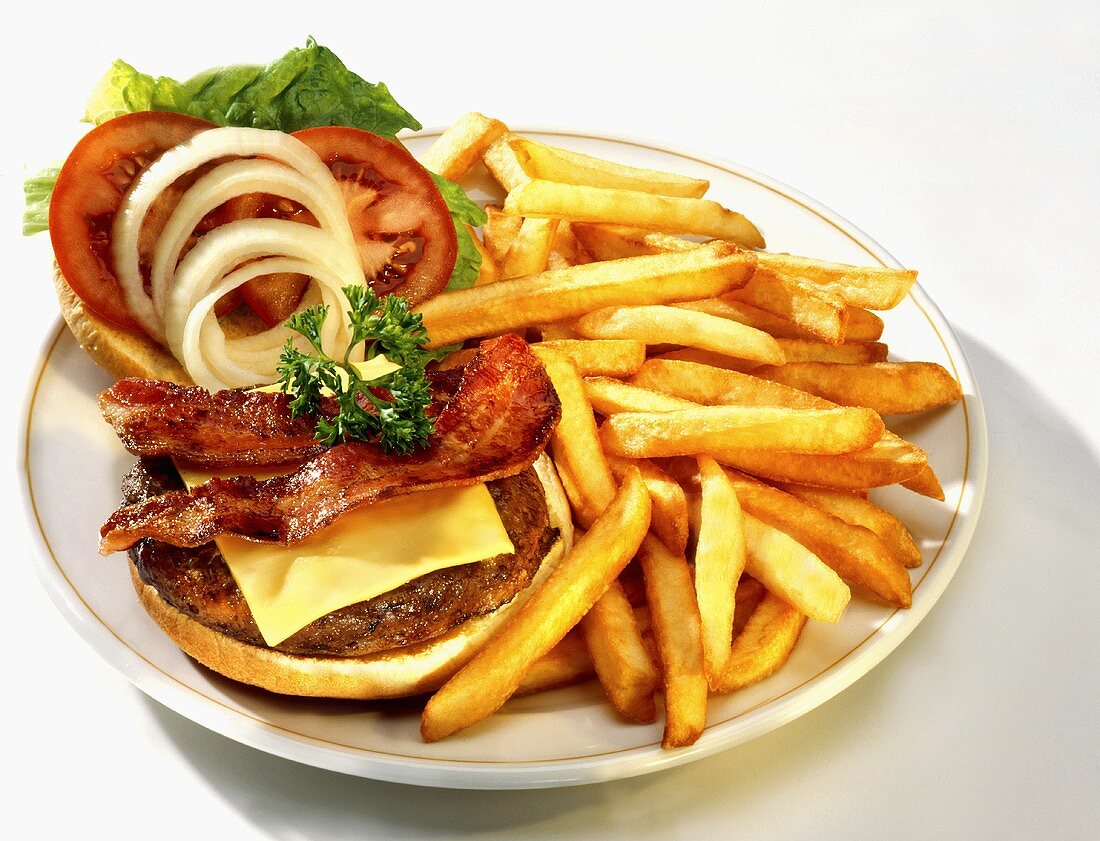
x=309 y=86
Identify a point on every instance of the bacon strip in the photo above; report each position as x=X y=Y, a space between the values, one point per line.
x=497 y=424
x=224 y=429
x=212 y=430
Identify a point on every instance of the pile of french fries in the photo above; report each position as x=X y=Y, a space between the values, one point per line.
x=721 y=427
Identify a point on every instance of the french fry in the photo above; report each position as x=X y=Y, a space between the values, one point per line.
x=811 y=308
x=538 y=197
x=499 y=230
x=566 y=250
x=676 y=628
x=488 y=272
x=719 y=562
x=568 y=167
x=460 y=146
x=568 y=293
x=711 y=429
x=859 y=511
x=669 y=520
x=890 y=388
x=706 y=357
x=613 y=242
x=863 y=326
x=711 y=386
x=601 y=357
x=620 y=658
x=506 y=163
x=855 y=553
x=530 y=248
x=804 y=350
x=663 y=324
x=558 y=331
x=609 y=397
x=764 y=645
x=790 y=570
x=750 y=593
x=874 y=288
x=726 y=307
x=567 y=662
x=627 y=674
x=890 y=460
x=925 y=482
x=480 y=687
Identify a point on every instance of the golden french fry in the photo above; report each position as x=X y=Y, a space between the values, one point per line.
x=530 y=248
x=558 y=331
x=460 y=146
x=620 y=658
x=811 y=308
x=627 y=674
x=663 y=324
x=874 y=288
x=855 y=553
x=719 y=562
x=499 y=230
x=609 y=397
x=567 y=662
x=601 y=357
x=890 y=388
x=727 y=307
x=568 y=293
x=863 y=326
x=764 y=645
x=711 y=386
x=567 y=167
x=613 y=242
x=669 y=520
x=488 y=272
x=506 y=163
x=494 y=673
x=676 y=627
x=925 y=482
x=707 y=357
x=790 y=570
x=805 y=350
x=859 y=511
x=888 y=461
x=750 y=593
x=566 y=250
x=711 y=429
x=538 y=197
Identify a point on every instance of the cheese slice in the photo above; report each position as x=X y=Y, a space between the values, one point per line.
x=365 y=553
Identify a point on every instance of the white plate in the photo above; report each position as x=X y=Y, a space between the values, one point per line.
x=73 y=465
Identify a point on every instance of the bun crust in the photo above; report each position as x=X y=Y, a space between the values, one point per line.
x=394 y=674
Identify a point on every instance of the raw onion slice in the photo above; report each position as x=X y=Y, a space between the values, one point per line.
x=202 y=149
x=228 y=181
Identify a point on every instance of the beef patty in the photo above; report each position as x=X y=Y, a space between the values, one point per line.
x=198 y=583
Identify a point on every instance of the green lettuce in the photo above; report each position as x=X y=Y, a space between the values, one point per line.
x=307 y=87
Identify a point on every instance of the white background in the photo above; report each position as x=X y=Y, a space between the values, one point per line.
x=963 y=137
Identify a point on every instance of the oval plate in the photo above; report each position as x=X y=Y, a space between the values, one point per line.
x=74 y=464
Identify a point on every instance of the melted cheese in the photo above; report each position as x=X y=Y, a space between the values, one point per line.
x=366 y=552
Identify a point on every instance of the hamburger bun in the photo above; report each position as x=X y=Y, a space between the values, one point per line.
x=392 y=674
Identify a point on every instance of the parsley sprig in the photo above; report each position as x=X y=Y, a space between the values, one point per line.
x=388 y=410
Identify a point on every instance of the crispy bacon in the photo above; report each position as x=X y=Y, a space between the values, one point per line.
x=194 y=426
x=497 y=424
x=224 y=429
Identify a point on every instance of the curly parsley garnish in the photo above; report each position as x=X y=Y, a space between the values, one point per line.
x=388 y=410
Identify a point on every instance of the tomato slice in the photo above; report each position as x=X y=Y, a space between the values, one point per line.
x=402 y=227
x=89 y=190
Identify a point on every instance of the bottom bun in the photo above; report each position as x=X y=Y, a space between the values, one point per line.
x=407 y=671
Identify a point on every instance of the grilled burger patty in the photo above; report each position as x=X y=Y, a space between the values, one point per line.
x=197 y=582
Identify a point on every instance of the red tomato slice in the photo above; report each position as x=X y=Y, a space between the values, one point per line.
x=401 y=223
x=89 y=191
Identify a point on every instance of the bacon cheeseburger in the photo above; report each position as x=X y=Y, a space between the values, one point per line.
x=399 y=566
x=360 y=528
